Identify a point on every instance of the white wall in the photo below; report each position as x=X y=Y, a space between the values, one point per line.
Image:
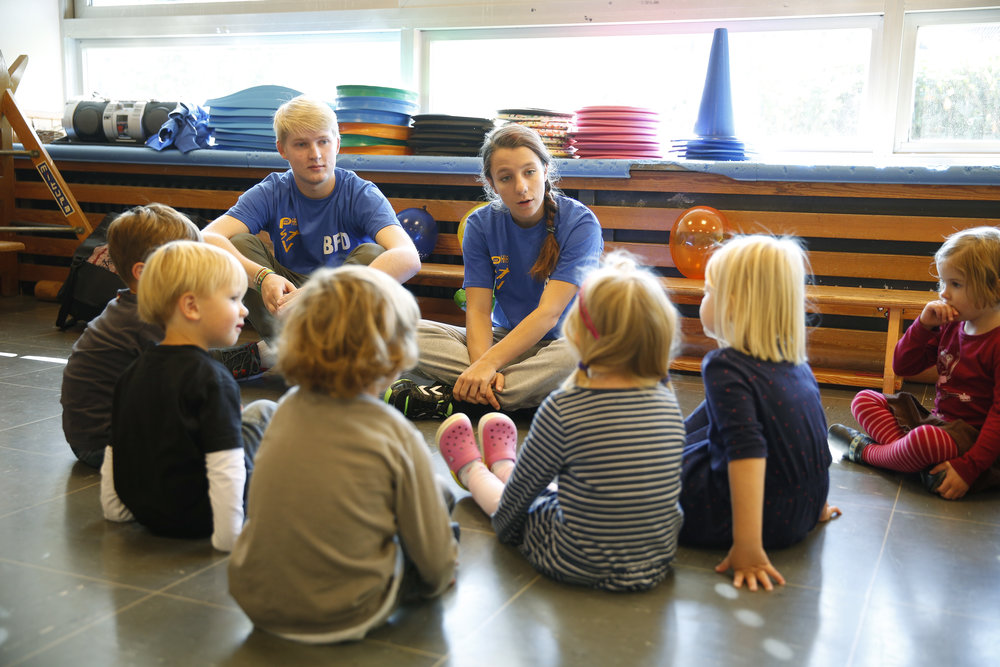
x=32 y=28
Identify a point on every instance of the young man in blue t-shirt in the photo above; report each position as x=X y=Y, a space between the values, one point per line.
x=315 y=215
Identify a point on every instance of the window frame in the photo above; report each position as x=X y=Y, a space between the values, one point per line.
x=912 y=22
x=887 y=113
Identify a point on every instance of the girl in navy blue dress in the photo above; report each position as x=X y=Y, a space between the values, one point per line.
x=755 y=472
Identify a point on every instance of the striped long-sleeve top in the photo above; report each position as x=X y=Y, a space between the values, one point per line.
x=611 y=519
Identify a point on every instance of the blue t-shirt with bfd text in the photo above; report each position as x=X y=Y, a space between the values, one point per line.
x=311 y=233
x=499 y=254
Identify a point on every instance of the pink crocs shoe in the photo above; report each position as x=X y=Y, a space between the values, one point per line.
x=498 y=436
x=456 y=444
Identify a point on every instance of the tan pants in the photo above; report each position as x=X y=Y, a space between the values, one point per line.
x=253 y=248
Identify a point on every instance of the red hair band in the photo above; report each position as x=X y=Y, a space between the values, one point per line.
x=585 y=316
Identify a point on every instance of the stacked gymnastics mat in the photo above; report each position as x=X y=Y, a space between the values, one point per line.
x=243 y=120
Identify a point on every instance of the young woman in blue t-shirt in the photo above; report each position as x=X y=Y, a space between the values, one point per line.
x=530 y=251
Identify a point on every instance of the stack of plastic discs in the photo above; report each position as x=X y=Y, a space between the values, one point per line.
x=617 y=133
x=374 y=120
x=440 y=134
x=555 y=127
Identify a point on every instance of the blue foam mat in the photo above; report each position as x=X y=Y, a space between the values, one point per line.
x=744 y=171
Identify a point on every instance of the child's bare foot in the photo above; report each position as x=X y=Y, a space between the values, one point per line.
x=829 y=512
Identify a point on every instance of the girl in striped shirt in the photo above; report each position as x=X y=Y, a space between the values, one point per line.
x=592 y=496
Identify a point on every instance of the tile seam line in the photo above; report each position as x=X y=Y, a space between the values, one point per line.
x=871 y=581
x=29 y=423
x=163 y=590
x=496 y=613
x=50 y=500
x=82 y=628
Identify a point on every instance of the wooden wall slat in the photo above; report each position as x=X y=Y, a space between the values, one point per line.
x=134 y=196
x=681 y=181
x=47 y=217
x=47 y=245
x=36 y=272
x=440 y=209
x=872 y=265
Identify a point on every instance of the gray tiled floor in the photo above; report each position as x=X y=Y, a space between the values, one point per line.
x=902 y=578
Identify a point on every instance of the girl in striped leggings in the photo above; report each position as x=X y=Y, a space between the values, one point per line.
x=956 y=445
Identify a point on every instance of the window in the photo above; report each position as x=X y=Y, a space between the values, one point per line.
x=122 y=3
x=956 y=86
x=186 y=70
x=952 y=100
x=894 y=77
x=794 y=87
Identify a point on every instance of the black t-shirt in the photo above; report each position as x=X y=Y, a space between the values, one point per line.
x=172 y=406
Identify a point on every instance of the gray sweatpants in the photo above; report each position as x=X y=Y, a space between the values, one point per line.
x=444 y=355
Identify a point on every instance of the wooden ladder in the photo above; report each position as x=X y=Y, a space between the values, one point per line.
x=12 y=120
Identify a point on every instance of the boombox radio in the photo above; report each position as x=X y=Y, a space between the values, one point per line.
x=114 y=121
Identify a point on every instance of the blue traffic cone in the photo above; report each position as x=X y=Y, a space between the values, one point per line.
x=715 y=118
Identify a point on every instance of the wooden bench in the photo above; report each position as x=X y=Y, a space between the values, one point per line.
x=894 y=306
x=8 y=267
x=870 y=244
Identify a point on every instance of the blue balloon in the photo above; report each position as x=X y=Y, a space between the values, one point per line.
x=421 y=227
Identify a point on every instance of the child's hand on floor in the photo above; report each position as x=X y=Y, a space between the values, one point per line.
x=752 y=565
x=829 y=512
x=952 y=486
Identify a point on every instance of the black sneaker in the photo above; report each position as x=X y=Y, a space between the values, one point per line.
x=932 y=482
x=243 y=361
x=420 y=402
x=849 y=441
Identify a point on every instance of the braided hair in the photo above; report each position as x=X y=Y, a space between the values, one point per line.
x=513 y=135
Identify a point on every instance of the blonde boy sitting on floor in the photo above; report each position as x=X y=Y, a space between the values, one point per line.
x=116 y=337
x=178 y=462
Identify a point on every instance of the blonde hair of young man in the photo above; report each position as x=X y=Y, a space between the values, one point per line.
x=304 y=115
x=622 y=319
x=351 y=330
x=136 y=233
x=758 y=297
x=180 y=267
x=976 y=253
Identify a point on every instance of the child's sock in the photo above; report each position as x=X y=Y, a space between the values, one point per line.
x=485 y=487
x=465 y=471
x=268 y=356
x=503 y=469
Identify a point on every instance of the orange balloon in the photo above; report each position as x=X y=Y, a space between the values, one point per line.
x=465 y=218
x=695 y=236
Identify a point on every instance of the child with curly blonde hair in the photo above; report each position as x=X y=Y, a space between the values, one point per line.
x=345 y=517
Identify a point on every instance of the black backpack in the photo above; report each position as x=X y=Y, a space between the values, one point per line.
x=92 y=280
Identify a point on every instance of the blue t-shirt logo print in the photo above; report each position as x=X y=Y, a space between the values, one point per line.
x=289 y=230
x=501 y=267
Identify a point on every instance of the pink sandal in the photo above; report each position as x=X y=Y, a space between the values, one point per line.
x=457 y=444
x=498 y=436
